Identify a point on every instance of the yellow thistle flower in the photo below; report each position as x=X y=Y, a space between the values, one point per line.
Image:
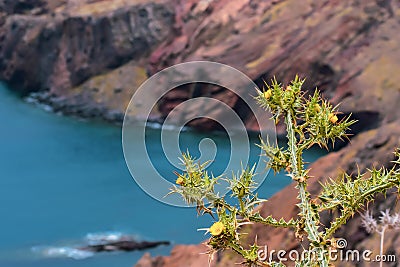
x=217 y=228
x=332 y=118
x=268 y=94
x=180 y=181
x=317 y=107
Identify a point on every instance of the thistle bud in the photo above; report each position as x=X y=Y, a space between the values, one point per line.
x=332 y=118
x=268 y=94
x=180 y=181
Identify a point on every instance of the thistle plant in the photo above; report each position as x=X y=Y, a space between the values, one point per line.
x=386 y=221
x=310 y=120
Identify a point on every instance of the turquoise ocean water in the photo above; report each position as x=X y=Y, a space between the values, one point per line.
x=62 y=179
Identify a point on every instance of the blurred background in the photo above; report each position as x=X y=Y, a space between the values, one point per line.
x=69 y=69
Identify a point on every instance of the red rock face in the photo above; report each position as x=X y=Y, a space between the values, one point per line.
x=348 y=50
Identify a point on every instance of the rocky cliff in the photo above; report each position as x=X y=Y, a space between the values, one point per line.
x=87 y=58
x=84 y=57
x=348 y=49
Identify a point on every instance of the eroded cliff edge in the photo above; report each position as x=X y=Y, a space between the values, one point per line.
x=81 y=57
x=88 y=57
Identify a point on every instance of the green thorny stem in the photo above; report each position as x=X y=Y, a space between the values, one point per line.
x=308 y=122
x=309 y=218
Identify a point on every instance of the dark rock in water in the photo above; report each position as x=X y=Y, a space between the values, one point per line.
x=96 y=243
x=124 y=245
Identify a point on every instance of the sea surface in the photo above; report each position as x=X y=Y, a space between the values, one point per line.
x=64 y=182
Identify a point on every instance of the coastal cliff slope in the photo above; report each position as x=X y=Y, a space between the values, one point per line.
x=88 y=57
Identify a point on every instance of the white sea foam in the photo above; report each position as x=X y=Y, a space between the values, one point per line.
x=164 y=126
x=62 y=252
x=103 y=237
x=33 y=99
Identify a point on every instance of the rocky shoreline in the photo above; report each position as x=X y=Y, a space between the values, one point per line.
x=88 y=57
x=80 y=57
